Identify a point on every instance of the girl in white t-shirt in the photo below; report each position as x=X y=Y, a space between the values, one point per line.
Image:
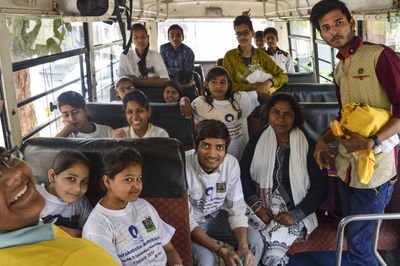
x=137 y=112
x=127 y=227
x=220 y=103
x=65 y=199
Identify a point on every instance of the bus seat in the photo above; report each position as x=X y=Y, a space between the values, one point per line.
x=317 y=117
x=311 y=92
x=165 y=115
x=301 y=77
x=198 y=80
x=199 y=69
x=154 y=94
x=164 y=175
x=190 y=91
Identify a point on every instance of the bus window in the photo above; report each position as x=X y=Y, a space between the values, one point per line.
x=107 y=50
x=209 y=39
x=384 y=32
x=300 y=45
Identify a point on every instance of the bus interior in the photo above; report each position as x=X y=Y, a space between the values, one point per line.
x=47 y=47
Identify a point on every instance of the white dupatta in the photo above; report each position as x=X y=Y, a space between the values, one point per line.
x=262 y=167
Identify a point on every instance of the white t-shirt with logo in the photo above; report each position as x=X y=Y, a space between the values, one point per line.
x=101 y=131
x=128 y=65
x=224 y=112
x=154 y=132
x=220 y=190
x=72 y=215
x=134 y=235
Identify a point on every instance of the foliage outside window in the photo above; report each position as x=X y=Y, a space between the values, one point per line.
x=32 y=37
x=299 y=27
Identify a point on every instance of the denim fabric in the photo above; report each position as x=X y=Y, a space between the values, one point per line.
x=359 y=234
x=219 y=229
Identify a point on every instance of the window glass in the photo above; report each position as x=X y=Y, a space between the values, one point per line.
x=106 y=65
x=384 y=32
x=31 y=37
x=324 y=52
x=40 y=79
x=106 y=33
x=208 y=39
x=299 y=27
x=45 y=77
x=301 y=52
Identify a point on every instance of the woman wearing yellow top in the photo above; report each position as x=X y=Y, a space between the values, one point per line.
x=24 y=240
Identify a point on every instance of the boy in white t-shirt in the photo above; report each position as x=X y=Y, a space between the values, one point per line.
x=76 y=124
x=217 y=207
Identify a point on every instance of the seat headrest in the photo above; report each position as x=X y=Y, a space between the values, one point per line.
x=163 y=162
x=165 y=115
x=311 y=92
x=317 y=117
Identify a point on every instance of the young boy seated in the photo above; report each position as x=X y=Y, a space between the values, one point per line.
x=24 y=240
x=217 y=207
x=76 y=124
x=123 y=85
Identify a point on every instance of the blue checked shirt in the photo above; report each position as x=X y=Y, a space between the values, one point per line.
x=174 y=61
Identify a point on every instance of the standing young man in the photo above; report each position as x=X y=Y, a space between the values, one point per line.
x=176 y=55
x=217 y=207
x=239 y=60
x=76 y=124
x=280 y=57
x=367 y=73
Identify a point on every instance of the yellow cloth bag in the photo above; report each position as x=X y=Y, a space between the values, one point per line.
x=363 y=120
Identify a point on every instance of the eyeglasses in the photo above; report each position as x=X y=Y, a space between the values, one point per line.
x=242 y=33
x=125 y=89
x=12 y=158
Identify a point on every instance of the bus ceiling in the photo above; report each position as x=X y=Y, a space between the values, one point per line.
x=160 y=10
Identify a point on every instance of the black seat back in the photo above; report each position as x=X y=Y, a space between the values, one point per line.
x=165 y=115
x=301 y=77
x=317 y=117
x=154 y=94
x=163 y=162
x=190 y=91
x=199 y=69
x=311 y=92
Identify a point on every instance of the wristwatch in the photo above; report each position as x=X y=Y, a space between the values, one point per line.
x=376 y=140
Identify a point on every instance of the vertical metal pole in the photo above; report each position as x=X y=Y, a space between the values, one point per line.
x=111 y=66
x=7 y=82
x=315 y=54
x=82 y=72
x=374 y=243
x=90 y=69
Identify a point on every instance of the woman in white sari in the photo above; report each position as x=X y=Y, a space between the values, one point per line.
x=281 y=182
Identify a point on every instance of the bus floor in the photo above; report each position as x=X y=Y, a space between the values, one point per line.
x=320 y=247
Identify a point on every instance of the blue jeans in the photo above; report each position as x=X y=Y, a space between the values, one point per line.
x=363 y=201
x=219 y=229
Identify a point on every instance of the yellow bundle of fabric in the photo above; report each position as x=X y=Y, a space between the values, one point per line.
x=363 y=120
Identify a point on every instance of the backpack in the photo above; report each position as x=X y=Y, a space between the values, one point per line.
x=99 y=7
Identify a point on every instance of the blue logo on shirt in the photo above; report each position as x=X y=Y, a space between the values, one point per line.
x=208 y=190
x=133 y=231
x=229 y=117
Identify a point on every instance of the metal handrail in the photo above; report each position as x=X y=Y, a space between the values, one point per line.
x=363 y=217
